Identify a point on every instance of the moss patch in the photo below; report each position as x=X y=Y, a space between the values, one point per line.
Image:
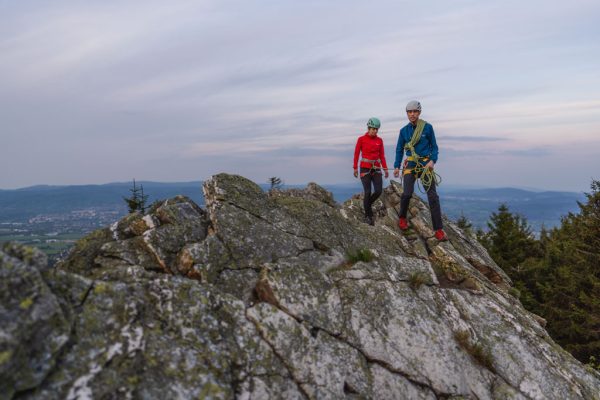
x=100 y=288
x=81 y=258
x=5 y=356
x=26 y=303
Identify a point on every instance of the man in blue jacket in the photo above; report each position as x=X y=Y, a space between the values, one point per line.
x=418 y=140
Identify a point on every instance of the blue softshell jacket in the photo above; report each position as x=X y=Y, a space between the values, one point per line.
x=426 y=147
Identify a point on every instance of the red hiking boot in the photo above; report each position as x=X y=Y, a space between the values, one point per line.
x=440 y=235
x=403 y=223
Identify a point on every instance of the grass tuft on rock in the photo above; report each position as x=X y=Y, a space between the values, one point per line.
x=475 y=350
x=417 y=279
x=356 y=255
x=352 y=257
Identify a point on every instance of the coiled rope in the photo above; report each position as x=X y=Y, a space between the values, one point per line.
x=426 y=176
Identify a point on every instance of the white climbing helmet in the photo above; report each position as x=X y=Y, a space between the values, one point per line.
x=413 y=105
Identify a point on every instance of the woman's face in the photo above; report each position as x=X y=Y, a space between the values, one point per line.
x=373 y=132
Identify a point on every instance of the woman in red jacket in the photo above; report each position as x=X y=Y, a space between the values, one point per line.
x=373 y=158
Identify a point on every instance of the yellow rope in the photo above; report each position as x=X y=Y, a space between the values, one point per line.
x=427 y=176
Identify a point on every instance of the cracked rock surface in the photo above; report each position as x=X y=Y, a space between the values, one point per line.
x=256 y=297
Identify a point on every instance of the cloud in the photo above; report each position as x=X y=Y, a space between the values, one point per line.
x=450 y=138
x=64 y=39
x=243 y=84
x=261 y=148
x=532 y=152
x=214 y=83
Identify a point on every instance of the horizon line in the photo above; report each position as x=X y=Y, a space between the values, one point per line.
x=346 y=183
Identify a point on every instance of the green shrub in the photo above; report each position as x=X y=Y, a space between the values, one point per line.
x=592 y=365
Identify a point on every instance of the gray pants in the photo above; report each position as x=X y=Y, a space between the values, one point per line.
x=432 y=197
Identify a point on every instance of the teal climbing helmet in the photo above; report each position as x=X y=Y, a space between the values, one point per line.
x=373 y=123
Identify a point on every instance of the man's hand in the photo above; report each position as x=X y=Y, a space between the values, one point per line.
x=396 y=172
x=386 y=174
x=430 y=165
x=356 y=173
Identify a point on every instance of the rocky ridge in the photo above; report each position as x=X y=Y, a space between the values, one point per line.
x=273 y=295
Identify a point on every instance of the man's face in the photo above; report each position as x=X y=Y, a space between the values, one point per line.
x=373 y=131
x=413 y=115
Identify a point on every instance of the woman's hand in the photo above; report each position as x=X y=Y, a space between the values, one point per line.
x=396 y=172
x=386 y=174
x=356 y=173
x=430 y=165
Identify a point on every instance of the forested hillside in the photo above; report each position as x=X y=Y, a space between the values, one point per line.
x=557 y=275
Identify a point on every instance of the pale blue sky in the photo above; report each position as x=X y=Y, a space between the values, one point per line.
x=95 y=92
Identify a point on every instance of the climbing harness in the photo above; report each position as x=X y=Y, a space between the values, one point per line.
x=426 y=176
x=373 y=169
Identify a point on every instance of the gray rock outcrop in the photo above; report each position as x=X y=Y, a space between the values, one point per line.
x=273 y=295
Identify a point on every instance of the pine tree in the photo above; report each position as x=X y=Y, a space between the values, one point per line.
x=463 y=223
x=137 y=201
x=510 y=241
x=275 y=182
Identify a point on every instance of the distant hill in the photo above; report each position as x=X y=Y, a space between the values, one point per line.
x=540 y=208
x=22 y=204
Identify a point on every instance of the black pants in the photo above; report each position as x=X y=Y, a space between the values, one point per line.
x=375 y=178
x=432 y=198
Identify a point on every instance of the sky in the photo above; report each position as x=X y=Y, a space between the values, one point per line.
x=98 y=92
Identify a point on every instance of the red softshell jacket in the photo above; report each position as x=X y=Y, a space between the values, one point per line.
x=372 y=149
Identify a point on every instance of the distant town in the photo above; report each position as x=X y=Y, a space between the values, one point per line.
x=56 y=233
